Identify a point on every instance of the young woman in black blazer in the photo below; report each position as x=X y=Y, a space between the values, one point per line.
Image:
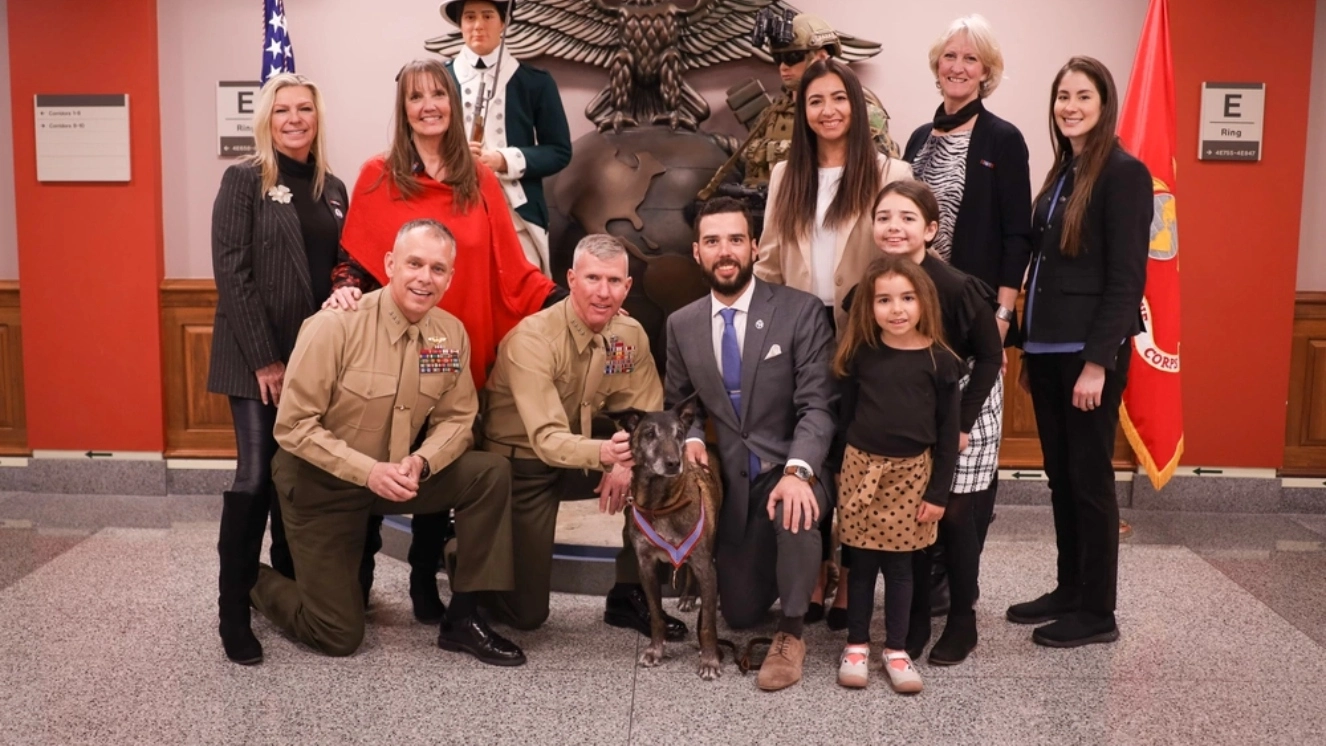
x=1092 y=231
x=276 y=227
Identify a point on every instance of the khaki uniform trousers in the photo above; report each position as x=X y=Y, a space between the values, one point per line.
x=536 y=493
x=325 y=519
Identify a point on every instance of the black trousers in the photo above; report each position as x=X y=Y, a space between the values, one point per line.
x=866 y=566
x=255 y=447
x=1078 y=448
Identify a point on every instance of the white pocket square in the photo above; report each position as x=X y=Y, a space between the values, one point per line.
x=774 y=352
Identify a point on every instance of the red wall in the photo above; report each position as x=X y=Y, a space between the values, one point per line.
x=90 y=255
x=1239 y=226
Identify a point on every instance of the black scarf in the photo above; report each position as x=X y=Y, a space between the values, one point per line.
x=946 y=122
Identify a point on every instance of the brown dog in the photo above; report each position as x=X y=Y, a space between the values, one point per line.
x=674 y=519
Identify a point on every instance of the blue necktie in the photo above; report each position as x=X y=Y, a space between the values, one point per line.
x=732 y=375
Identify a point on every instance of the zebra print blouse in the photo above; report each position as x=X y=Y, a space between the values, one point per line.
x=942 y=163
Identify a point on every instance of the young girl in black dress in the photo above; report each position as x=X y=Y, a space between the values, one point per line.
x=901 y=398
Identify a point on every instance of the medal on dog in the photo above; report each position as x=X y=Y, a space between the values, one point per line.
x=435 y=358
x=620 y=357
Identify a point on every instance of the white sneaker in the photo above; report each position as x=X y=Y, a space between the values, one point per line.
x=852 y=669
x=903 y=680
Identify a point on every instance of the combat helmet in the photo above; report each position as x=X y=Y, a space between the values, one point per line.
x=803 y=32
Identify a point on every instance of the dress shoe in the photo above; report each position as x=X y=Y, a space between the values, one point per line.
x=836 y=619
x=428 y=606
x=956 y=642
x=782 y=666
x=1077 y=629
x=473 y=635
x=630 y=609
x=1047 y=608
x=814 y=613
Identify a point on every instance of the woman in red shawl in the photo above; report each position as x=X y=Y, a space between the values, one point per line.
x=428 y=173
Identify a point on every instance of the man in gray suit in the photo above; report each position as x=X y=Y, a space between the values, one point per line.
x=759 y=355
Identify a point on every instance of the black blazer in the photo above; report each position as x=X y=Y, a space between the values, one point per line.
x=992 y=233
x=1096 y=296
x=264 y=292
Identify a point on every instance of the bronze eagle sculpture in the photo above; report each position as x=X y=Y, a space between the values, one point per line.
x=646 y=46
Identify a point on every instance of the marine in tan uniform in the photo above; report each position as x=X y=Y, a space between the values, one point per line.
x=555 y=372
x=363 y=387
x=811 y=39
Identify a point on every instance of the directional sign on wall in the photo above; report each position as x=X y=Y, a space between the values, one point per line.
x=1231 y=122
x=82 y=137
x=235 y=101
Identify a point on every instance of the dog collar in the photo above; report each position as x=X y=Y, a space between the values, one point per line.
x=678 y=553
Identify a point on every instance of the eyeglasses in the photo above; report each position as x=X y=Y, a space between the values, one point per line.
x=789 y=58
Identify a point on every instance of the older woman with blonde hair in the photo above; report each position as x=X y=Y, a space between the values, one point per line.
x=977 y=166
x=276 y=228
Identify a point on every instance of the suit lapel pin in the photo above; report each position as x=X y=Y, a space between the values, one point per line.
x=759 y=323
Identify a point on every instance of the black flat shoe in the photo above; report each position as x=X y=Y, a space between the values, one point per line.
x=815 y=613
x=630 y=610
x=1077 y=629
x=836 y=619
x=1047 y=608
x=428 y=606
x=473 y=635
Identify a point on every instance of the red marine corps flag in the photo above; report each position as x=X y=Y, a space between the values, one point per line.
x=1152 y=411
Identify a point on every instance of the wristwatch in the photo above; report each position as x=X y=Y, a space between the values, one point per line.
x=426 y=471
x=1004 y=314
x=800 y=472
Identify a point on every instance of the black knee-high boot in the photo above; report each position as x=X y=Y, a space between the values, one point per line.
x=429 y=536
x=243 y=519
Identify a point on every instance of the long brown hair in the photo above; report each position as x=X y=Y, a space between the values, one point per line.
x=401 y=158
x=794 y=209
x=264 y=151
x=1101 y=141
x=864 y=330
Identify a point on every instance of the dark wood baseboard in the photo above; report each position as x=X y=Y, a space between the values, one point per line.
x=198 y=423
x=13 y=418
x=1305 y=425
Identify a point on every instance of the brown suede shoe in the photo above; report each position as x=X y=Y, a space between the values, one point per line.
x=782 y=666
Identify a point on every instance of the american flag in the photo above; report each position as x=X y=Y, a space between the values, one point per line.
x=277 y=55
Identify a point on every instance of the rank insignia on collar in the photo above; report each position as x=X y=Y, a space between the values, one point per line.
x=438 y=359
x=620 y=357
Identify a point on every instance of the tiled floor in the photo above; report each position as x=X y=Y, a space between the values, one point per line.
x=107 y=636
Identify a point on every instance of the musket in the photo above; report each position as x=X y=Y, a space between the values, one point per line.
x=757 y=130
x=481 y=103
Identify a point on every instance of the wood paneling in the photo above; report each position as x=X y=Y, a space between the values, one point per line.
x=198 y=422
x=13 y=419
x=1021 y=448
x=1305 y=426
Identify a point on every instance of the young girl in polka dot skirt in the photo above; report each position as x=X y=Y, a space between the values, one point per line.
x=900 y=405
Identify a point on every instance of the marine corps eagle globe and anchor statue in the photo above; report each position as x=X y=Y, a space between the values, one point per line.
x=637 y=176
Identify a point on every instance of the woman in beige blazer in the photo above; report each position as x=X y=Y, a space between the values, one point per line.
x=817 y=229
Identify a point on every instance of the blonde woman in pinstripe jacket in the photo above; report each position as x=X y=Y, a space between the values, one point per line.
x=276 y=226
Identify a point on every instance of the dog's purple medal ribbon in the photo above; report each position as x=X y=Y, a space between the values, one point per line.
x=620 y=357
x=438 y=359
x=676 y=554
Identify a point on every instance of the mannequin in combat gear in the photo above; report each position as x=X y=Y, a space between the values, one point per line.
x=794 y=42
